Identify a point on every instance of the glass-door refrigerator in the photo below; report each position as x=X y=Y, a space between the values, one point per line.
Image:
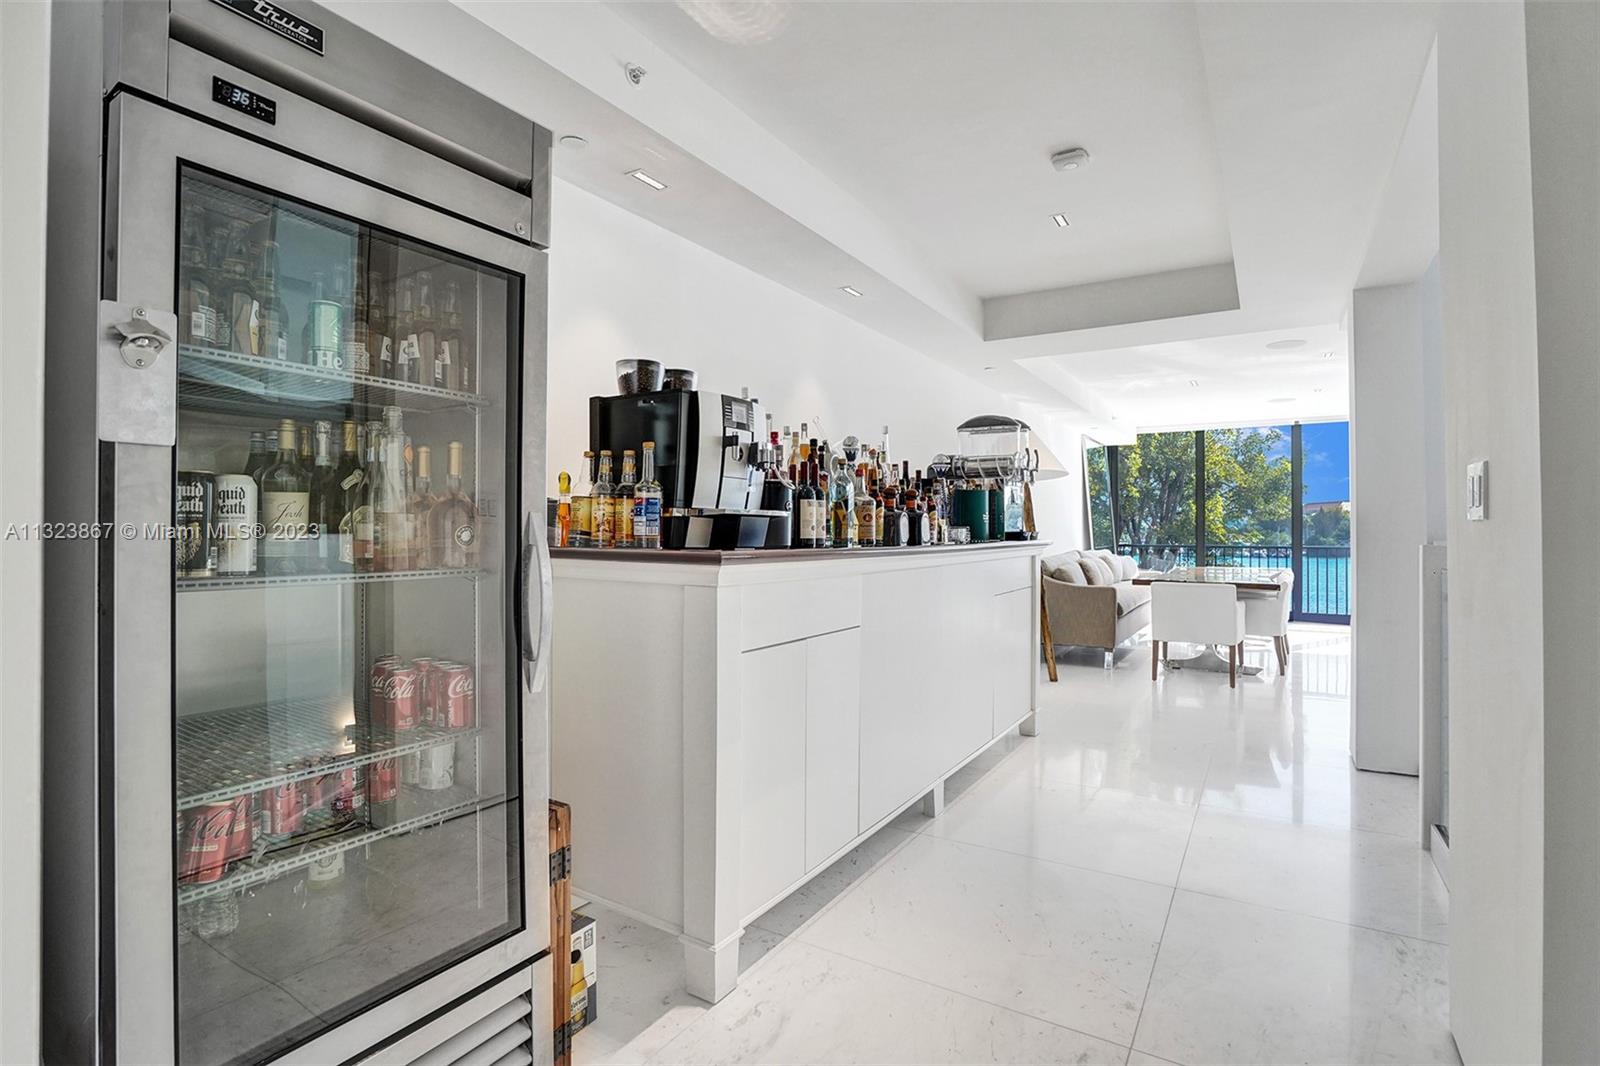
x=319 y=732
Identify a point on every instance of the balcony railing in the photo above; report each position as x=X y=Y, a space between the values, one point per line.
x=1323 y=583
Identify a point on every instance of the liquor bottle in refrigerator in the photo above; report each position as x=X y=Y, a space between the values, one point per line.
x=352 y=300
x=601 y=514
x=422 y=503
x=426 y=328
x=323 y=334
x=454 y=519
x=393 y=535
x=461 y=352
x=622 y=501
x=274 y=326
x=380 y=327
x=260 y=458
x=197 y=308
x=355 y=529
x=327 y=501
x=449 y=349
x=647 y=503
x=239 y=306
x=408 y=346
x=285 y=508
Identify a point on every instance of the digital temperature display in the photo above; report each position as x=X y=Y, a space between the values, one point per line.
x=243 y=100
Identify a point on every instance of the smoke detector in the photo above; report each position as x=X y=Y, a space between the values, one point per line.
x=1070 y=159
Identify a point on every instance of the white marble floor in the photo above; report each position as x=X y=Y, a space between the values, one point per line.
x=1170 y=872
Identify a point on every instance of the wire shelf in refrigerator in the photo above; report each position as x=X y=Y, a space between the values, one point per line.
x=243 y=750
x=219 y=380
x=274 y=864
x=257 y=581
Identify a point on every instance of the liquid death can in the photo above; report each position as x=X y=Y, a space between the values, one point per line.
x=196 y=517
x=236 y=517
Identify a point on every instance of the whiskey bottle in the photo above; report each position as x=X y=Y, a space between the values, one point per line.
x=866 y=510
x=647 y=503
x=453 y=521
x=604 y=518
x=285 y=508
x=622 y=501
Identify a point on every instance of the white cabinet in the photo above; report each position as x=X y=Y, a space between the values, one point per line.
x=833 y=742
x=799 y=739
x=1014 y=653
x=772 y=761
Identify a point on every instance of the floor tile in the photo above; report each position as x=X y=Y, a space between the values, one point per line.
x=1238 y=983
x=1070 y=946
x=1368 y=879
x=1098 y=829
x=807 y=1005
x=803 y=904
x=1312 y=793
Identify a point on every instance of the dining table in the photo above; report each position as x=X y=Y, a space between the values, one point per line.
x=1244 y=578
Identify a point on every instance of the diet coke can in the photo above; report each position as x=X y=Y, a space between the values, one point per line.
x=207 y=842
x=458 y=700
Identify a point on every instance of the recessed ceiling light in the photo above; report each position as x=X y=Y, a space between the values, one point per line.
x=851 y=289
x=572 y=140
x=988 y=368
x=1070 y=158
x=1281 y=399
x=1287 y=345
x=1060 y=220
x=1193 y=384
x=639 y=175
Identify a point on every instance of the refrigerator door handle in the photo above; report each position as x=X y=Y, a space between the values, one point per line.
x=536 y=641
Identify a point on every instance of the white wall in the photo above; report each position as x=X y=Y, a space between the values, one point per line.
x=24 y=75
x=622 y=287
x=1397 y=483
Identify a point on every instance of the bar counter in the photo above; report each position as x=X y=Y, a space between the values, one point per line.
x=726 y=724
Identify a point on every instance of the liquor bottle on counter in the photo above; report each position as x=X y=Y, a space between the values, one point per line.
x=259 y=458
x=842 y=506
x=811 y=508
x=422 y=503
x=327 y=503
x=866 y=510
x=453 y=522
x=563 y=531
x=582 y=520
x=622 y=501
x=647 y=503
x=877 y=508
x=393 y=535
x=197 y=307
x=777 y=492
x=239 y=305
x=274 y=324
x=285 y=508
x=603 y=515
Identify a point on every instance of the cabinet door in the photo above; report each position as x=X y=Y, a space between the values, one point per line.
x=1014 y=654
x=833 y=742
x=772 y=754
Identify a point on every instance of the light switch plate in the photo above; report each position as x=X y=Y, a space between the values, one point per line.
x=1478 y=490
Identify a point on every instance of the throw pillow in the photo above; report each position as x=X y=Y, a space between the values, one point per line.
x=1063 y=568
x=1095 y=571
x=1127 y=569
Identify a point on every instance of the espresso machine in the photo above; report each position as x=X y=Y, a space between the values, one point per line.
x=707 y=447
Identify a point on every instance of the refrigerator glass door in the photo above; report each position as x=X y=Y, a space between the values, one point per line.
x=345 y=736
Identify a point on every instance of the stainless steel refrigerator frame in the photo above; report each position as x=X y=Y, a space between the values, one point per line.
x=434 y=162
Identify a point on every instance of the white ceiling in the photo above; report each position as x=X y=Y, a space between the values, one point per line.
x=941 y=119
x=1241 y=156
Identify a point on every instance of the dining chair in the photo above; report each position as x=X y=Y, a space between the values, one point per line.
x=1266 y=614
x=1196 y=613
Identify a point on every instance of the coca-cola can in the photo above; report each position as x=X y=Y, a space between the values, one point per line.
x=285 y=807
x=458 y=700
x=395 y=703
x=425 y=666
x=383 y=781
x=243 y=836
x=207 y=842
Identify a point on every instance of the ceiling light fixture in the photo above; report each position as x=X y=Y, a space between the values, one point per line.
x=1281 y=399
x=1193 y=384
x=988 y=368
x=1060 y=220
x=1070 y=159
x=639 y=175
x=851 y=289
x=1286 y=345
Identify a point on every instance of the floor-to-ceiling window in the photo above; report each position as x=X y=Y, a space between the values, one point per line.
x=1275 y=496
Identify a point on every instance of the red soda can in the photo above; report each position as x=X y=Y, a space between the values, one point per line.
x=207 y=838
x=242 y=837
x=458 y=708
x=286 y=808
x=383 y=781
x=425 y=665
x=395 y=708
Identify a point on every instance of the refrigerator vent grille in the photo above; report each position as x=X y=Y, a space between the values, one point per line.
x=503 y=1037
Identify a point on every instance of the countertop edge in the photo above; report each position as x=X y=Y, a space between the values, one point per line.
x=758 y=556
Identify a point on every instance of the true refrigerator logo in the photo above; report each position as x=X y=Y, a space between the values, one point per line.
x=303 y=33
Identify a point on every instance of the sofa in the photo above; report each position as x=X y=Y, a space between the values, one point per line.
x=1090 y=601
